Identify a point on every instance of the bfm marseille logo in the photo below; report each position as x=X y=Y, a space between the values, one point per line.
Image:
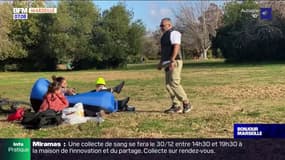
x=20 y=13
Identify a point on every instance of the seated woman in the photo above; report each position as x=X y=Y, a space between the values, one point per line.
x=54 y=98
x=63 y=86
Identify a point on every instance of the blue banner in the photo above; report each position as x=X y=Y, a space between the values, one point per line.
x=266 y=13
x=259 y=130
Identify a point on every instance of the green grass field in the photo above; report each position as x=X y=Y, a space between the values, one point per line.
x=222 y=94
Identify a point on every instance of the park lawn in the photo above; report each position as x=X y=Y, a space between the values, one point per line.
x=222 y=94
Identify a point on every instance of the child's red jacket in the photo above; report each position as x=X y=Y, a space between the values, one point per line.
x=55 y=101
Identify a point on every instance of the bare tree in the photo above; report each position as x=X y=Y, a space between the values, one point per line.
x=151 y=44
x=198 y=22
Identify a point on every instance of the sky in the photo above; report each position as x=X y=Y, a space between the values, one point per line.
x=149 y=11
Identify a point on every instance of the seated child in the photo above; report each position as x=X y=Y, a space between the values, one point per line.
x=54 y=98
x=101 y=86
x=122 y=104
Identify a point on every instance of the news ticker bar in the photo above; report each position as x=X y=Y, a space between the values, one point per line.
x=86 y=149
x=259 y=130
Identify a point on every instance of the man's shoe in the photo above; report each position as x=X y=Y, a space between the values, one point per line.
x=122 y=104
x=187 y=108
x=129 y=108
x=119 y=87
x=173 y=109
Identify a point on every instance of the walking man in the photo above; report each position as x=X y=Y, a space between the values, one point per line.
x=171 y=61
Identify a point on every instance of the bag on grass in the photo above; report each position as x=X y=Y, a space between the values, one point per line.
x=48 y=118
x=77 y=109
x=74 y=115
x=17 y=115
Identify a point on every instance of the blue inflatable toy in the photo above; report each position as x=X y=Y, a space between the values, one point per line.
x=92 y=101
x=39 y=89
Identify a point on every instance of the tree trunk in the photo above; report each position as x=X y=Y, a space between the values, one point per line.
x=204 y=54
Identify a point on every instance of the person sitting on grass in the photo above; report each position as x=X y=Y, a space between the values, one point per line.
x=63 y=84
x=122 y=104
x=54 y=98
x=101 y=86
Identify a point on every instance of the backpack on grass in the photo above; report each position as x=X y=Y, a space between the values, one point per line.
x=48 y=118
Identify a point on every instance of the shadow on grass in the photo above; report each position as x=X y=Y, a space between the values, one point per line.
x=148 y=111
x=219 y=63
x=141 y=66
x=223 y=64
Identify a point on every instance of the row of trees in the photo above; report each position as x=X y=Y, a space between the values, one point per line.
x=79 y=34
x=198 y=22
x=244 y=37
x=231 y=31
x=82 y=35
